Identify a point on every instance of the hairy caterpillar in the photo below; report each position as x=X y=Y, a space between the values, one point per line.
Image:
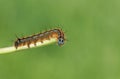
x=58 y=34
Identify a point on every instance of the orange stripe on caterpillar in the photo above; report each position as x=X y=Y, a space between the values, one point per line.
x=41 y=37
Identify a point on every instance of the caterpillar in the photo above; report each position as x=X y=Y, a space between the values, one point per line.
x=58 y=34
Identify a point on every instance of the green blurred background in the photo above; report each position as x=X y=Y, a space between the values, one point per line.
x=92 y=28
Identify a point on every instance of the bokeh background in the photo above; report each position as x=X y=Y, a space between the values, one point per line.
x=92 y=28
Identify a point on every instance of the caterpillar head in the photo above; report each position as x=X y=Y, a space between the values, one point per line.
x=61 y=41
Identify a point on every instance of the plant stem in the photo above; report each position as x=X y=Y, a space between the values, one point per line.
x=12 y=49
